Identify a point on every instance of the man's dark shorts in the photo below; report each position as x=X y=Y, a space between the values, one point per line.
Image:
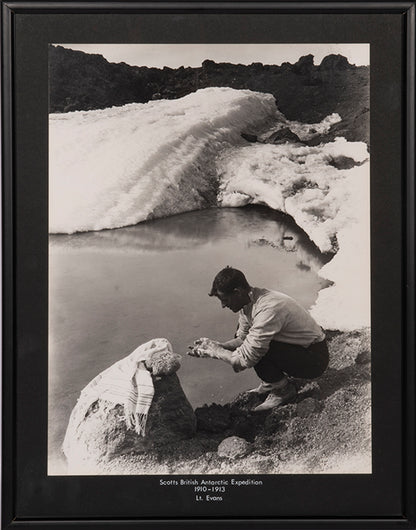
x=293 y=360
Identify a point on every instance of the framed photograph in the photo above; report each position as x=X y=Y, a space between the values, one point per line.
x=208 y=264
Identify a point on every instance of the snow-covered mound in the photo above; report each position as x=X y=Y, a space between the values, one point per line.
x=119 y=166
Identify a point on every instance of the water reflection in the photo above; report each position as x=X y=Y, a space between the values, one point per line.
x=252 y=225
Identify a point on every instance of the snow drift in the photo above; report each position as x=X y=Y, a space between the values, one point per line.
x=120 y=166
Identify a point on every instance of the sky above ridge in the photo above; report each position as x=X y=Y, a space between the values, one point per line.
x=176 y=55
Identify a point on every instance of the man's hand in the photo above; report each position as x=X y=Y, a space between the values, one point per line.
x=212 y=349
x=205 y=347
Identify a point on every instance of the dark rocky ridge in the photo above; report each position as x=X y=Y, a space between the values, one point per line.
x=303 y=91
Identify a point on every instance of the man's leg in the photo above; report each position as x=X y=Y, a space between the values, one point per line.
x=293 y=360
x=270 y=374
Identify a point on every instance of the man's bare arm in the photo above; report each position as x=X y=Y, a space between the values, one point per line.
x=209 y=348
x=232 y=344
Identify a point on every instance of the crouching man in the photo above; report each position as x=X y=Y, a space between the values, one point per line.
x=276 y=336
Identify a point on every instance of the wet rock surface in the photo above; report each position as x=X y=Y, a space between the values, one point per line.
x=342 y=162
x=283 y=136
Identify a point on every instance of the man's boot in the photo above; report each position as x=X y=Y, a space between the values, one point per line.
x=278 y=397
x=265 y=388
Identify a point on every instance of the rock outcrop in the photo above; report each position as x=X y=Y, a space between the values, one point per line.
x=98 y=429
x=103 y=434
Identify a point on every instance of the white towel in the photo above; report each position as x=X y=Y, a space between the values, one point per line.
x=128 y=383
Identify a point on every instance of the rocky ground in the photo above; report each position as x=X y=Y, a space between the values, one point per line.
x=326 y=430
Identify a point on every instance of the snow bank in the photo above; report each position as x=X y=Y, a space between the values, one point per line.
x=298 y=180
x=119 y=166
x=330 y=204
x=347 y=304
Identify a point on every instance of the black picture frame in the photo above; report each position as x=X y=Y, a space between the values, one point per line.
x=385 y=499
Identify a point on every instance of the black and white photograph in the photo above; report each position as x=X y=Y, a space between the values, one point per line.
x=209 y=259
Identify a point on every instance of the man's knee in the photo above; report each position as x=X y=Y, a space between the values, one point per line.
x=268 y=372
x=321 y=354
